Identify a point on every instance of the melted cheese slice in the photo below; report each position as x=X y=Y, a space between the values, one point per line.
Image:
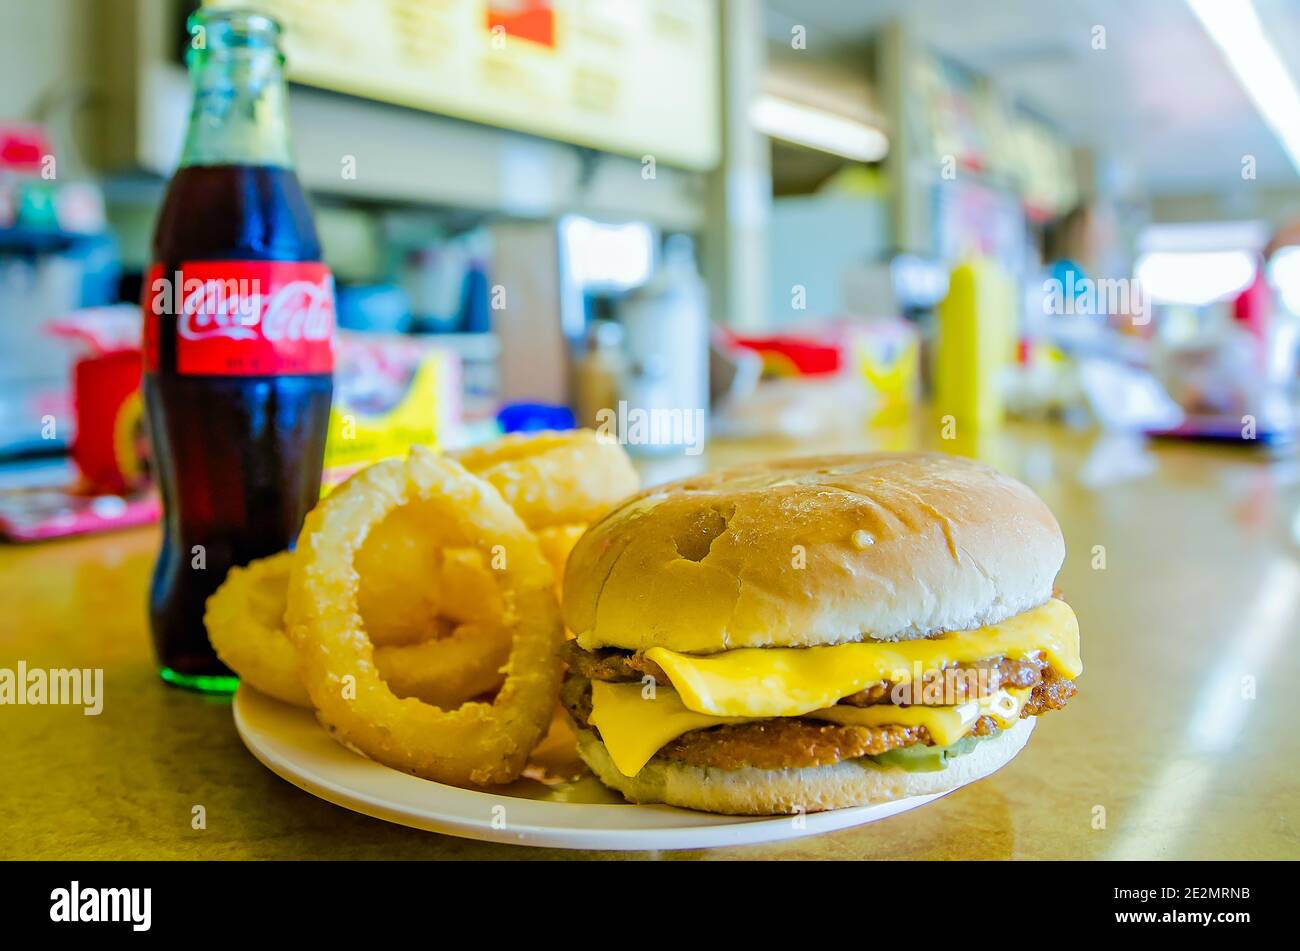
x=946 y=725
x=792 y=681
x=635 y=725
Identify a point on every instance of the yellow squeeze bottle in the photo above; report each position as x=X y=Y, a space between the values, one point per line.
x=973 y=346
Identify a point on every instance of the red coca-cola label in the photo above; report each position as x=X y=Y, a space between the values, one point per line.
x=241 y=318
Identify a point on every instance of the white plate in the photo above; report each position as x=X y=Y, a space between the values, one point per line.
x=290 y=742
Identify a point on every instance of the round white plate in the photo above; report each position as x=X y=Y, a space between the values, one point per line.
x=290 y=742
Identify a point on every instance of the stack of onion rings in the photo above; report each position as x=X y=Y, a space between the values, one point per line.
x=426 y=587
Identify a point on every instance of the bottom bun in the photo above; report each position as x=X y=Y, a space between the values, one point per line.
x=765 y=792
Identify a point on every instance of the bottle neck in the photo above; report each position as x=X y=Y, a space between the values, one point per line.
x=240 y=114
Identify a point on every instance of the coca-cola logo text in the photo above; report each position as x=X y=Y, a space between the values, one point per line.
x=237 y=308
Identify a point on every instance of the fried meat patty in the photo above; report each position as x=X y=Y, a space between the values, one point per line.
x=797 y=742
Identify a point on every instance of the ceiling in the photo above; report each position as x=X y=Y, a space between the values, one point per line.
x=1159 y=98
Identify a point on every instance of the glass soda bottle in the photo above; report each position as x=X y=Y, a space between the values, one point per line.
x=238 y=338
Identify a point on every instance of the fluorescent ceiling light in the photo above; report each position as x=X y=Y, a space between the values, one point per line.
x=817 y=129
x=1234 y=27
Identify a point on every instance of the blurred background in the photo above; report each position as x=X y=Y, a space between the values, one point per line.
x=691 y=222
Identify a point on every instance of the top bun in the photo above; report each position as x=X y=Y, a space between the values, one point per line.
x=819 y=550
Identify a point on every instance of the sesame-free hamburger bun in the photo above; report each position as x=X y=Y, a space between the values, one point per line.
x=817 y=550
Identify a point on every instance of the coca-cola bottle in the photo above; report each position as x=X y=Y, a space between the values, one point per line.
x=239 y=321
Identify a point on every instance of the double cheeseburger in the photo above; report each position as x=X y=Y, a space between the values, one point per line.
x=816 y=633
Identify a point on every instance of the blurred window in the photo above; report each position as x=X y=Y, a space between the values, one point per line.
x=607 y=257
x=1195 y=277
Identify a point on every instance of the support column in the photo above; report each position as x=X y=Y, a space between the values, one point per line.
x=735 y=251
x=908 y=195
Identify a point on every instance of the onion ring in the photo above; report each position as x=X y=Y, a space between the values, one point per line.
x=556 y=543
x=398 y=589
x=555 y=478
x=245 y=622
x=478 y=743
x=470 y=592
x=447 y=671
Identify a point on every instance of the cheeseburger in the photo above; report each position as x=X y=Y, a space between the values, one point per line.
x=816 y=633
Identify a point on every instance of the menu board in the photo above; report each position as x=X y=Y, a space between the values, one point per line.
x=639 y=77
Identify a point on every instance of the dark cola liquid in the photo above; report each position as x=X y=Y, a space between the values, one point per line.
x=238 y=458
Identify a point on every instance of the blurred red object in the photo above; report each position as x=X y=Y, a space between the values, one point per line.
x=794 y=356
x=111 y=446
x=110 y=449
x=1254 y=306
x=23 y=147
x=526 y=19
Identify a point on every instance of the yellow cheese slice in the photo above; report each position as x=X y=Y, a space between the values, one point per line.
x=635 y=723
x=946 y=725
x=791 y=681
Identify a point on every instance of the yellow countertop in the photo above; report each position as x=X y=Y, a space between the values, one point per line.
x=1182 y=743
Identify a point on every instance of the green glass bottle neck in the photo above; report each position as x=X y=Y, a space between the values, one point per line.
x=240 y=111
